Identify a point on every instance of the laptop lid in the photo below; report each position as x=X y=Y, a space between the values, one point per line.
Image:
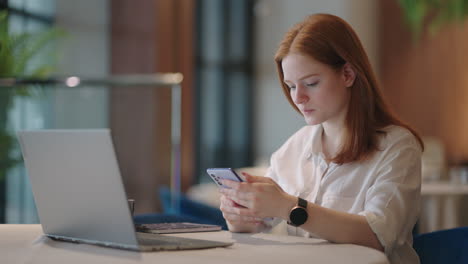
x=77 y=186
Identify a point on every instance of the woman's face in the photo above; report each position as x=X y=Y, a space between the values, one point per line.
x=320 y=92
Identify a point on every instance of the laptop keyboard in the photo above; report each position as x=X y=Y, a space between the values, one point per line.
x=159 y=240
x=162 y=242
x=182 y=227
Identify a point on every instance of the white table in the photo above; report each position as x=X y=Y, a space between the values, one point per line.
x=443 y=188
x=441 y=205
x=21 y=244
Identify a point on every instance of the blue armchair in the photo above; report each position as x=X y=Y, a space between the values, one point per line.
x=445 y=246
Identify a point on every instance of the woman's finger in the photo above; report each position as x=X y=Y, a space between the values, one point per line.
x=251 y=178
x=234 y=218
x=259 y=179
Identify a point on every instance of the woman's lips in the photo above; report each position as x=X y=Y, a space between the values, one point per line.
x=308 y=111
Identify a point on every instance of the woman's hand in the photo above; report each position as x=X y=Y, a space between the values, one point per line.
x=256 y=198
x=236 y=222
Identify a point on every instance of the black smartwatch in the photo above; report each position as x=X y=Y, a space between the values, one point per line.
x=298 y=215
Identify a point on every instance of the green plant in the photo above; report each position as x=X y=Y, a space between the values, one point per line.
x=16 y=51
x=433 y=12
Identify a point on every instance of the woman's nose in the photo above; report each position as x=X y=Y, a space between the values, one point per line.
x=299 y=97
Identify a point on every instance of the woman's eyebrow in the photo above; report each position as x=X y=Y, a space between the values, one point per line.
x=303 y=77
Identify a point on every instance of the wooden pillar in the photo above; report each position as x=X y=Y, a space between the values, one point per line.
x=175 y=23
x=146 y=37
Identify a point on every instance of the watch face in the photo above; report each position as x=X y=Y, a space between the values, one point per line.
x=298 y=216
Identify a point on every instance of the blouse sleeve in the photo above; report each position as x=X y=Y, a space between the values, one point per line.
x=392 y=204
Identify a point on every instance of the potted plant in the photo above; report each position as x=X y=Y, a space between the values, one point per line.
x=16 y=51
x=433 y=13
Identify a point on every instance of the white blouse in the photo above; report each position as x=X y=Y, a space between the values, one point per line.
x=386 y=188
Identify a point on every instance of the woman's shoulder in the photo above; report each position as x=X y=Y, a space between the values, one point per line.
x=398 y=135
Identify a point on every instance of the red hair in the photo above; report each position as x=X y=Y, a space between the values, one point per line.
x=331 y=41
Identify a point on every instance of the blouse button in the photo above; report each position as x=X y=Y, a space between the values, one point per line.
x=323 y=165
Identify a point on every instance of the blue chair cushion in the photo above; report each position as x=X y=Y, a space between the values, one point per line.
x=163 y=218
x=445 y=246
x=184 y=209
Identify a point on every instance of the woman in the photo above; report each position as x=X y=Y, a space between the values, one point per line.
x=353 y=174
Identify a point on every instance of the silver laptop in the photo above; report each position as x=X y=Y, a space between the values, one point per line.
x=79 y=192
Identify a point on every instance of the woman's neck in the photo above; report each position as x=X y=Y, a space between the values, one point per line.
x=332 y=139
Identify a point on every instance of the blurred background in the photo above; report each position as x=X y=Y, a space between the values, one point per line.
x=233 y=112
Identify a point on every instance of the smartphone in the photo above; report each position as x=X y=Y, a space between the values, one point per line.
x=223 y=173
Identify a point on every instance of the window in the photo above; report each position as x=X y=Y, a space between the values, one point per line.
x=224 y=84
x=16 y=199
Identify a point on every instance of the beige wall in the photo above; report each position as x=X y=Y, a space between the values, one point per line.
x=427 y=81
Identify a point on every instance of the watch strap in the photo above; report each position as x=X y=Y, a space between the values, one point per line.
x=301 y=202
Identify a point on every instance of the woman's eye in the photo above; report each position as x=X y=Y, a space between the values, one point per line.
x=312 y=84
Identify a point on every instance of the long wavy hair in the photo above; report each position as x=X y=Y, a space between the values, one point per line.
x=331 y=40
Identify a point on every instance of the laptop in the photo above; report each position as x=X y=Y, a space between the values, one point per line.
x=79 y=192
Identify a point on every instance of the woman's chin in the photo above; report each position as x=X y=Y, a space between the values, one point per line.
x=312 y=122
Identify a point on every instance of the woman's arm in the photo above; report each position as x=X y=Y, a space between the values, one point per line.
x=336 y=226
x=262 y=197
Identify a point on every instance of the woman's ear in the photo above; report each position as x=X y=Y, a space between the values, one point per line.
x=349 y=75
